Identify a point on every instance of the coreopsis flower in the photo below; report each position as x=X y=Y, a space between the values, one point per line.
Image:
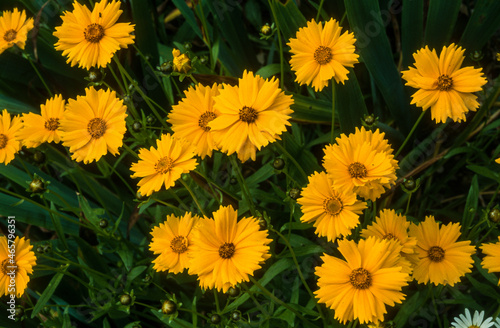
x=361 y=286
x=172 y=242
x=18 y=266
x=444 y=86
x=93 y=125
x=467 y=321
x=164 y=164
x=252 y=115
x=38 y=129
x=190 y=118
x=9 y=145
x=227 y=251
x=361 y=162
x=334 y=213
x=320 y=53
x=91 y=38
x=492 y=259
x=441 y=258
x=14 y=28
x=181 y=62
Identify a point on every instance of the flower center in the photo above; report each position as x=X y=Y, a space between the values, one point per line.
x=444 y=82
x=248 y=114
x=390 y=236
x=93 y=33
x=52 y=124
x=179 y=244
x=473 y=326
x=357 y=170
x=360 y=278
x=226 y=251
x=8 y=267
x=164 y=165
x=205 y=118
x=96 y=127
x=333 y=205
x=436 y=254
x=3 y=141
x=323 y=55
x=10 y=35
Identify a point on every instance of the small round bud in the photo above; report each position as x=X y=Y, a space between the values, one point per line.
x=476 y=55
x=150 y=119
x=166 y=67
x=95 y=76
x=215 y=318
x=236 y=316
x=168 y=307
x=233 y=181
x=40 y=249
x=137 y=126
x=494 y=215
x=126 y=98
x=203 y=60
x=103 y=223
x=233 y=291
x=409 y=184
x=279 y=164
x=39 y=157
x=369 y=119
x=131 y=86
x=47 y=248
x=265 y=29
x=188 y=46
x=294 y=193
x=37 y=186
x=19 y=312
x=125 y=299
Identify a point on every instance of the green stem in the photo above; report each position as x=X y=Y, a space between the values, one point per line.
x=243 y=185
x=291 y=158
x=410 y=134
x=131 y=152
x=216 y=298
x=193 y=196
x=83 y=267
x=122 y=86
x=259 y=306
x=435 y=307
x=280 y=44
x=332 y=137
x=146 y=305
x=408 y=203
x=27 y=56
x=319 y=10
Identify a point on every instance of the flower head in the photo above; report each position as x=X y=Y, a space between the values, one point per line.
x=190 y=118
x=93 y=125
x=320 y=53
x=492 y=259
x=443 y=85
x=18 y=266
x=441 y=258
x=14 y=28
x=182 y=63
x=9 y=145
x=91 y=38
x=42 y=128
x=333 y=212
x=172 y=242
x=164 y=164
x=252 y=115
x=227 y=251
x=466 y=321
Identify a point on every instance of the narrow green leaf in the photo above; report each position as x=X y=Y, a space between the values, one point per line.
x=48 y=291
x=485 y=172
x=309 y=110
x=56 y=221
x=188 y=14
x=412 y=30
x=269 y=70
x=350 y=104
x=289 y=17
x=471 y=204
x=441 y=19
x=482 y=25
x=409 y=308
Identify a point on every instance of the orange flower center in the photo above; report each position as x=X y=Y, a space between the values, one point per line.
x=248 y=114
x=179 y=244
x=226 y=251
x=323 y=55
x=7 y=266
x=93 y=33
x=205 y=118
x=357 y=170
x=436 y=254
x=10 y=35
x=164 y=165
x=360 y=278
x=390 y=236
x=444 y=82
x=52 y=124
x=3 y=141
x=96 y=127
x=333 y=205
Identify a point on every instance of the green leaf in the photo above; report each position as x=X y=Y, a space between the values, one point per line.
x=350 y=105
x=483 y=288
x=48 y=291
x=441 y=19
x=471 y=204
x=409 y=308
x=309 y=110
x=485 y=172
x=188 y=14
x=289 y=18
x=269 y=70
x=482 y=25
x=412 y=30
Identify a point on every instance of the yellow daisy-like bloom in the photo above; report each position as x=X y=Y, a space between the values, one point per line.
x=93 y=125
x=226 y=251
x=17 y=267
x=9 y=145
x=443 y=85
x=42 y=128
x=320 y=53
x=91 y=38
x=253 y=114
x=182 y=63
x=441 y=258
x=191 y=116
x=497 y=160
x=173 y=241
x=333 y=212
x=362 y=285
x=492 y=259
x=14 y=28
x=164 y=164
x=362 y=162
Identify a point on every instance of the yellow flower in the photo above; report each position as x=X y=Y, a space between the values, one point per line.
x=164 y=164
x=362 y=285
x=253 y=114
x=497 y=160
x=333 y=212
x=321 y=53
x=191 y=116
x=492 y=259
x=443 y=85
x=91 y=38
x=18 y=266
x=42 y=128
x=362 y=162
x=9 y=145
x=14 y=28
x=441 y=258
x=173 y=241
x=227 y=251
x=93 y=125
x=182 y=63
